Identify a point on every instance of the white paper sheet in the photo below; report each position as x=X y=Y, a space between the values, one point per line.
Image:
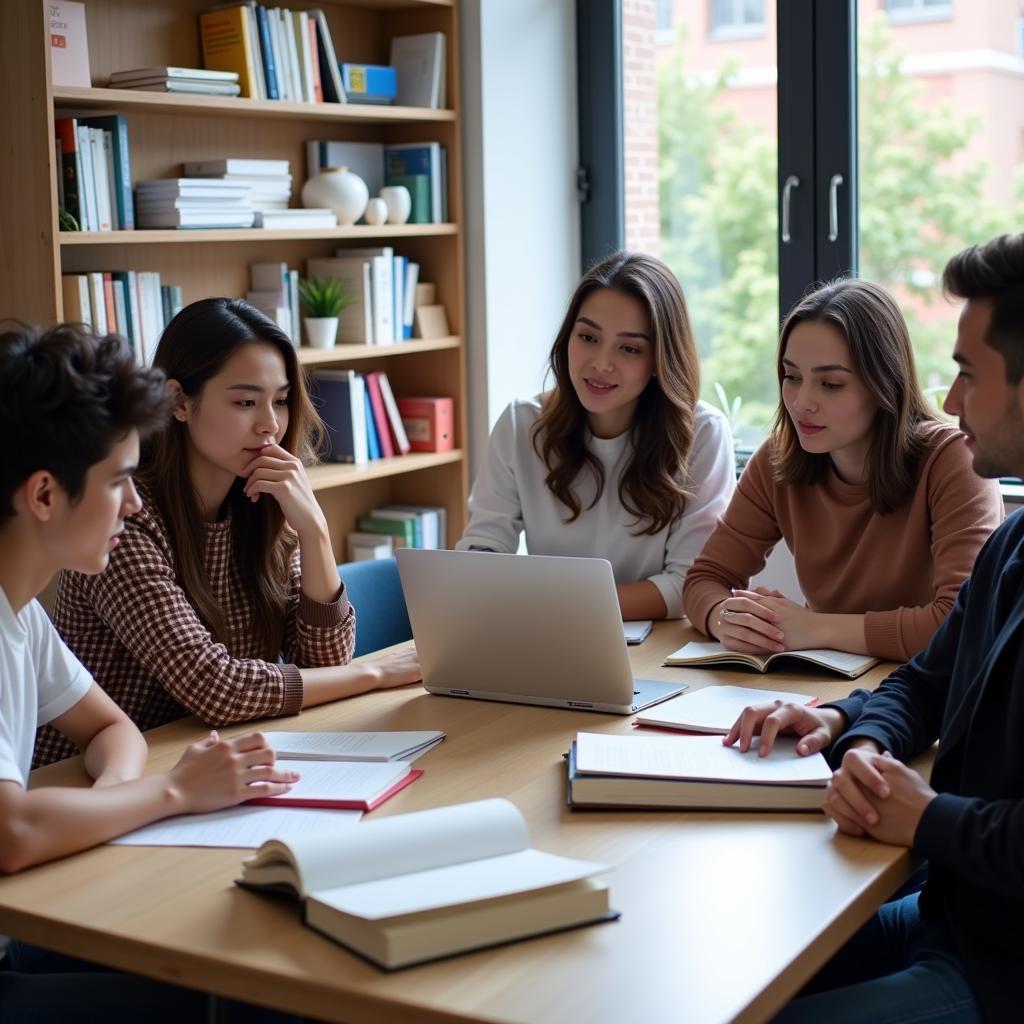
x=242 y=827
x=353 y=746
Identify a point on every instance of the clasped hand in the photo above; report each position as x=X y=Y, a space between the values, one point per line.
x=762 y=621
x=874 y=794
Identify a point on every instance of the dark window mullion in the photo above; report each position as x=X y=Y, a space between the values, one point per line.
x=796 y=108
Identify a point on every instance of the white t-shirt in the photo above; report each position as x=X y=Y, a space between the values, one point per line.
x=40 y=679
x=510 y=496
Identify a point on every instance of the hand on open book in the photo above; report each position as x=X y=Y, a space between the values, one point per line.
x=216 y=773
x=817 y=728
x=872 y=793
x=743 y=622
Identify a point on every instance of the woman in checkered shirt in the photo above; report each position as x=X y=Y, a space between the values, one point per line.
x=222 y=599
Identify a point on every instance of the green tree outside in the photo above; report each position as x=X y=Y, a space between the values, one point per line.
x=919 y=203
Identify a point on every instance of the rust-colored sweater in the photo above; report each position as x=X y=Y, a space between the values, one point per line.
x=901 y=571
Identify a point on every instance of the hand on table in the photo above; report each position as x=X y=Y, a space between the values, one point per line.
x=215 y=773
x=396 y=669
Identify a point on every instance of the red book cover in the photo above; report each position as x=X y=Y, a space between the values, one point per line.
x=318 y=91
x=380 y=417
x=429 y=422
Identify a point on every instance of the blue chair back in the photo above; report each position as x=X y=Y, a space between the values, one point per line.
x=375 y=590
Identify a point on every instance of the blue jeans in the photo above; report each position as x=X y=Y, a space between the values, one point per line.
x=47 y=988
x=898 y=969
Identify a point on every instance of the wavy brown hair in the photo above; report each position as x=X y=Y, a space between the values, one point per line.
x=194 y=347
x=876 y=334
x=662 y=430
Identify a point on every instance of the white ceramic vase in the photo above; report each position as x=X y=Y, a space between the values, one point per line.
x=376 y=211
x=339 y=190
x=399 y=203
x=321 y=331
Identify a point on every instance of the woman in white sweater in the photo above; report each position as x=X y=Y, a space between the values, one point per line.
x=619 y=460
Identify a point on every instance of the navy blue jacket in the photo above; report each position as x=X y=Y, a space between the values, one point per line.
x=966 y=689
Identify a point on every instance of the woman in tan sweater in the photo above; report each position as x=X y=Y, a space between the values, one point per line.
x=874 y=496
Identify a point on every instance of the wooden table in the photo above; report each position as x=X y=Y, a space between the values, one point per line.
x=724 y=916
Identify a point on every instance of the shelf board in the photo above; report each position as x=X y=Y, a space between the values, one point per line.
x=236 y=106
x=159 y=236
x=343 y=353
x=336 y=474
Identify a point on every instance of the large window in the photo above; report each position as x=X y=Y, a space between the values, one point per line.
x=901 y=141
x=731 y=18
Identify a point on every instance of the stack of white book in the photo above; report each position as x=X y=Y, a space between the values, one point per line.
x=193 y=203
x=270 y=191
x=187 y=80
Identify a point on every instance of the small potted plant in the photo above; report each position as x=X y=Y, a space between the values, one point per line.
x=324 y=300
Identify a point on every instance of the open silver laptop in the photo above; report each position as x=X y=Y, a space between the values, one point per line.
x=533 y=629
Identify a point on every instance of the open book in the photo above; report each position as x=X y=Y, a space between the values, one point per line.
x=697 y=654
x=421 y=886
x=714 y=708
x=353 y=746
x=693 y=772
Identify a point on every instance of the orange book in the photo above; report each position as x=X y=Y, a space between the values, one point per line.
x=314 y=61
x=227 y=45
x=429 y=422
x=113 y=327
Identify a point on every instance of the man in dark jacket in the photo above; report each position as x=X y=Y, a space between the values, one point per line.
x=953 y=952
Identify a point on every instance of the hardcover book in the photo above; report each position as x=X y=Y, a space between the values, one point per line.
x=422 y=886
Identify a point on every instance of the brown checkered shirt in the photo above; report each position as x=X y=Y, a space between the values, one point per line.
x=134 y=629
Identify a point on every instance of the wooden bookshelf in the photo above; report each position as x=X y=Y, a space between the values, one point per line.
x=166 y=130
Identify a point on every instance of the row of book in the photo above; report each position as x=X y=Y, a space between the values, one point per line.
x=422 y=167
x=387 y=527
x=277 y=53
x=274 y=291
x=94 y=174
x=365 y=421
x=134 y=304
x=382 y=287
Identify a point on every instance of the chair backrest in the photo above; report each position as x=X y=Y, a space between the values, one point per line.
x=375 y=590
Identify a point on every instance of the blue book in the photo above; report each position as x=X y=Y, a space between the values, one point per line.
x=267 y=50
x=118 y=128
x=369 y=83
x=413 y=158
x=372 y=440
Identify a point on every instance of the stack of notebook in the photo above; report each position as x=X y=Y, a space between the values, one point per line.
x=192 y=203
x=187 y=80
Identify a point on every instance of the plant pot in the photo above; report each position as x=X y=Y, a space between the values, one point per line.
x=339 y=190
x=321 y=331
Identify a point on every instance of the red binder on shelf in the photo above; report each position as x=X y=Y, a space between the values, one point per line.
x=343 y=785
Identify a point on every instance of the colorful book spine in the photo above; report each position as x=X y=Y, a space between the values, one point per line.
x=117 y=125
x=228 y=45
x=267 y=53
x=70 y=169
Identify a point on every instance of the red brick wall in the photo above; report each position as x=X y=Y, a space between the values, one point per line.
x=640 y=100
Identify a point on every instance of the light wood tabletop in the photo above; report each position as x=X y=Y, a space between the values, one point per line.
x=724 y=915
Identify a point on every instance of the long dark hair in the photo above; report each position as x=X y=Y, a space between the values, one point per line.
x=871 y=323
x=662 y=431
x=194 y=347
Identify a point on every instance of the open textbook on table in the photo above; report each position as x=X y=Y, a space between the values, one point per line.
x=422 y=886
x=699 y=654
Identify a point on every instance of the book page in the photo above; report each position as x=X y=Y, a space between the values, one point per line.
x=713 y=651
x=243 y=827
x=714 y=708
x=699 y=758
x=841 y=661
x=459 y=883
x=406 y=843
x=352 y=746
x=358 y=781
